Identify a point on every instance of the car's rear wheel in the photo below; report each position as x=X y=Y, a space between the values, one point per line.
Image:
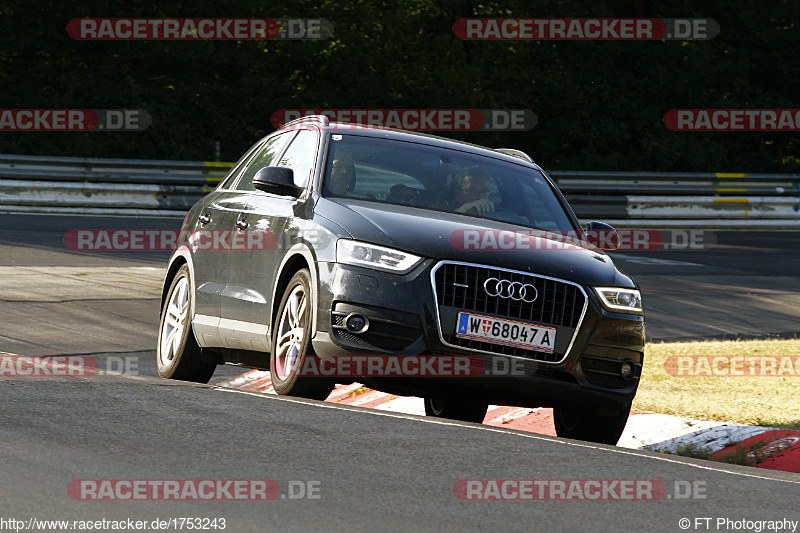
x=572 y=423
x=177 y=353
x=291 y=343
x=465 y=411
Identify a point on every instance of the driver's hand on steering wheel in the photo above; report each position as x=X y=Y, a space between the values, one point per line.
x=478 y=207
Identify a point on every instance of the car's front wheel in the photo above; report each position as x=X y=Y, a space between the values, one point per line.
x=177 y=353
x=291 y=344
x=573 y=423
x=466 y=411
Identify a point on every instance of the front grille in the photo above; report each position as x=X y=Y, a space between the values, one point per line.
x=459 y=287
x=558 y=303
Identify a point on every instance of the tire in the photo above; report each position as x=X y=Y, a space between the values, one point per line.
x=577 y=424
x=464 y=411
x=177 y=352
x=291 y=343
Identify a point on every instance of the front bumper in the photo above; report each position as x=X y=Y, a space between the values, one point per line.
x=404 y=319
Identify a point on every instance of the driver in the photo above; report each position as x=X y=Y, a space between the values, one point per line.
x=471 y=192
x=343 y=178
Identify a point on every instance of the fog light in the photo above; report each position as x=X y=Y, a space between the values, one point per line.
x=627 y=370
x=356 y=323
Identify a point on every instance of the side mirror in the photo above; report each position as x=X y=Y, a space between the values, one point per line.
x=277 y=180
x=602 y=235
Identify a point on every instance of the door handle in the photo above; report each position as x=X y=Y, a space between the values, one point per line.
x=204 y=219
x=242 y=224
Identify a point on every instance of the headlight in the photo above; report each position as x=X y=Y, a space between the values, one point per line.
x=371 y=256
x=627 y=300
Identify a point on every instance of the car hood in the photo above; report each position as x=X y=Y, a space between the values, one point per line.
x=441 y=235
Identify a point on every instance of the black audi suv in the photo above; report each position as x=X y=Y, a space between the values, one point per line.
x=331 y=240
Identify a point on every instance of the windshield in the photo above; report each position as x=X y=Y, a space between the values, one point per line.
x=406 y=173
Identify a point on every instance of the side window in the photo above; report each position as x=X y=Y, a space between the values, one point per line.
x=237 y=168
x=301 y=156
x=264 y=158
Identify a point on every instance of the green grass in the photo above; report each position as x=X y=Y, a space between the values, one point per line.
x=758 y=400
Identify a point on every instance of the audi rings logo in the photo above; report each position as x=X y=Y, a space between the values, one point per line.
x=524 y=292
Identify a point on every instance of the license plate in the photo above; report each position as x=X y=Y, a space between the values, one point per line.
x=509 y=332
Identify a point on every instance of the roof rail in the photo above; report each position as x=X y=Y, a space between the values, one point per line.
x=310 y=118
x=513 y=152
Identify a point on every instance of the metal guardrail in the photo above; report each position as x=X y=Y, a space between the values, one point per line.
x=168 y=188
x=683 y=199
x=75 y=185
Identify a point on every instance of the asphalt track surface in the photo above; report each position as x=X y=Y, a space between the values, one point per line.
x=377 y=470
